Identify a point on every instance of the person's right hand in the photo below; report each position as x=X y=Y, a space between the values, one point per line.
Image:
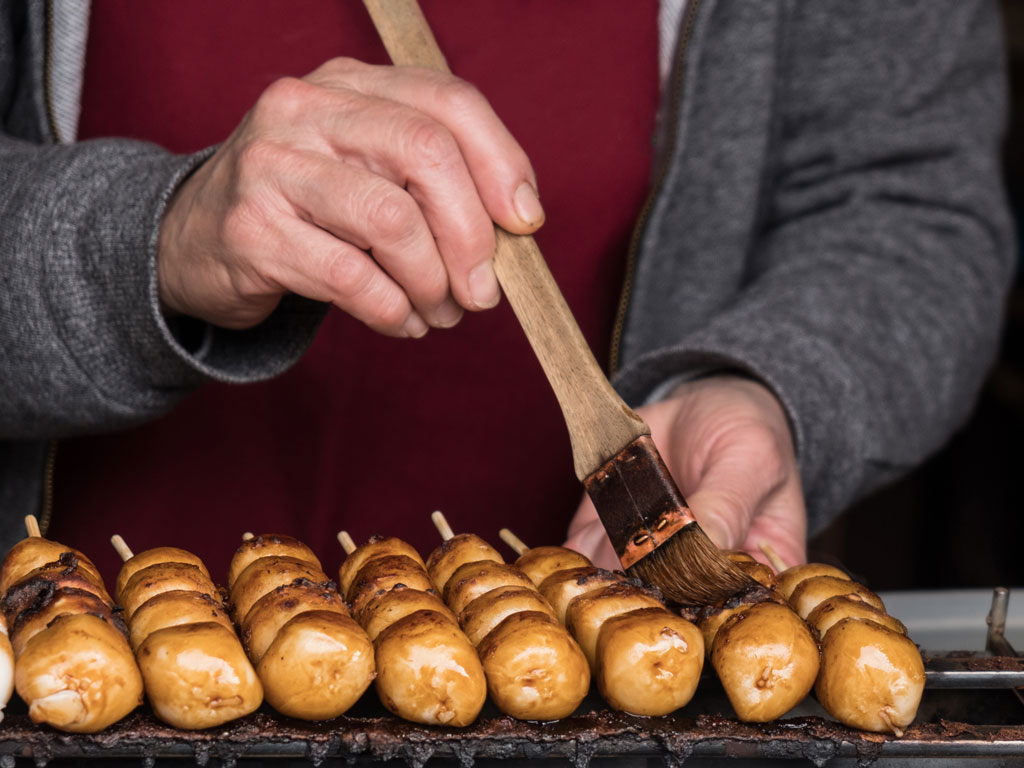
x=371 y=187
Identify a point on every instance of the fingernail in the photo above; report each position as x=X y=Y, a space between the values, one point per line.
x=718 y=534
x=483 y=286
x=448 y=314
x=528 y=205
x=414 y=326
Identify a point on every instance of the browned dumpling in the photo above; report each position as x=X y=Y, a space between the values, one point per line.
x=33 y=552
x=377 y=546
x=197 y=675
x=428 y=672
x=279 y=606
x=6 y=671
x=150 y=557
x=175 y=607
x=263 y=575
x=455 y=552
x=790 y=578
x=269 y=545
x=712 y=622
x=871 y=677
x=811 y=592
x=760 y=573
x=589 y=611
x=540 y=562
x=474 y=579
x=560 y=588
x=710 y=618
x=33 y=587
x=491 y=608
x=833 y=610
x=383 y=573
x=767 y=661
x=535 y=670
x=739 y=556
x=33 y=620
x=317 y=666
x=648 y=661
x=397 y=603
x=163 y=577
x=78 y=675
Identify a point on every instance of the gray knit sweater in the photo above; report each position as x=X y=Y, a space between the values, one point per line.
x=827 y=218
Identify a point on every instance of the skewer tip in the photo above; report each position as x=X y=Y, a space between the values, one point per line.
x=773 y=557
x=32 y=526
x=248 y=535
x=518 y=545
x=438 y=518
x=346 y=542
x=122 y=548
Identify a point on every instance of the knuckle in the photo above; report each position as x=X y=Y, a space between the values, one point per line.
x=432 y=284
x=258 y=161
x=349 y=274
x=392 y=216
x=344 y=64
x=284 y=97
x=243 y=227
x=391 y=309
x=460 y=97
x=479 y=240
x=431 y=144
x=338 y=73
x=258 y=155
x=362 y=289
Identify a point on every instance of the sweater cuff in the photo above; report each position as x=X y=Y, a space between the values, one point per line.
x=111 y=318
x=233 y=356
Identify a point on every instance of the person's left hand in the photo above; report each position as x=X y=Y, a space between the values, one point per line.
x=727 y=443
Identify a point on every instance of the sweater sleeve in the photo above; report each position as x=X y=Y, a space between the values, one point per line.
x=873 y=294
x=83 y=343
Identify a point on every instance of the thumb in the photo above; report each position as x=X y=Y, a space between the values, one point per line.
x=588 y=537
x=722 y=514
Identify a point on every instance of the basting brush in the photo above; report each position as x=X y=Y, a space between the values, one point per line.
x=652 y=530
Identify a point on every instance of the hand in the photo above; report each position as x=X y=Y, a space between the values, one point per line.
x=367 y=186
x=727 y=443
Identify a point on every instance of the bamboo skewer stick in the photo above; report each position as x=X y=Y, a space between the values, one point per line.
x=122 y=548
x=769 y=551
x=346 y=542
x=441 y=523
x=248 y=535
x=32 y=526
x=518 y=545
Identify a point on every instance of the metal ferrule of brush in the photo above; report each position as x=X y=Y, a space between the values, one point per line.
x=637 y=500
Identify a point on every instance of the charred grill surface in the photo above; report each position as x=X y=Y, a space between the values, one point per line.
x=947 y=727
x=578 y=738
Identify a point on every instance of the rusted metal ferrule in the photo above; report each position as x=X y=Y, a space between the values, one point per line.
x=637 y=500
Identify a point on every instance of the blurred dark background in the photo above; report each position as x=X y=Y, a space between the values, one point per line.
x=958 y=520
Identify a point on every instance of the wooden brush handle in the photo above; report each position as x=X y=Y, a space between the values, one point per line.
x=600 y=423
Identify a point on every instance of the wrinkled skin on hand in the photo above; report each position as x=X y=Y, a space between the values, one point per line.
x=727 y=442
x=375 y=188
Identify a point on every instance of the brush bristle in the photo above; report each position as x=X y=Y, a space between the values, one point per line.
x=690 y=570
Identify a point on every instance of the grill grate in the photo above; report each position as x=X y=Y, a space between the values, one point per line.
x=970 y=709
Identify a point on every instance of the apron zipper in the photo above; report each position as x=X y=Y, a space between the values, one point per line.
x=676 y=92
x=51 y=113
x=46 y=503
